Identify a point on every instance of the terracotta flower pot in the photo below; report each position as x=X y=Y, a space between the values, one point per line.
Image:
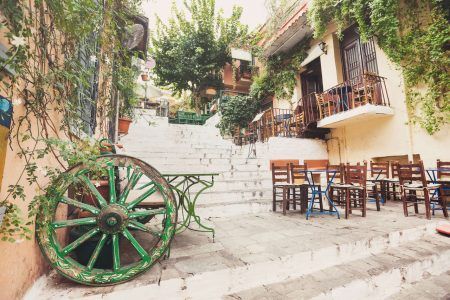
x=102 y=187
x=124 y=125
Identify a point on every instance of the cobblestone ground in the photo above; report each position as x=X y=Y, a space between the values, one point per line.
x=271 y=256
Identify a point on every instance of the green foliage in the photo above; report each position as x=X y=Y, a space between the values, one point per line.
x=279 y=76
x=414 y=34
x=69 y=154
x=237 y=111
x=125 y=82
x=191 y=50
x=46 y=40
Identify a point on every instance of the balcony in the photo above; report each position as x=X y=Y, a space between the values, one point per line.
x=349 y=102
x=364 y=98
x=352 y=101
x=245 y=72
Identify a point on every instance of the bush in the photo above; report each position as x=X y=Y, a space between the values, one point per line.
x=236 y=111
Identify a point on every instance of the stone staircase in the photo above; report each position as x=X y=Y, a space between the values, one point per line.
x=244 y=181
x=263 y=255
x=271 y=256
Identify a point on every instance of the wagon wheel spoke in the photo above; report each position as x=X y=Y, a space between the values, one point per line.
x=129 y=172
x=75 y=222
x=83 y=206
x=151 y=183
x=142 y=253
x=116 y=252
x=96 y=252
x=69 y=248
x=147 y=212
x=139 y=226
x=141 y=198
x=87 y=182
x=112 y=183
x=132 y=181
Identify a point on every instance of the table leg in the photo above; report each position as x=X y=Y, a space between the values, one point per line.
x=190 y=209
x=383 y=192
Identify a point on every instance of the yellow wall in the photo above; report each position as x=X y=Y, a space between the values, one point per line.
x=22 y=263
x=386 y=136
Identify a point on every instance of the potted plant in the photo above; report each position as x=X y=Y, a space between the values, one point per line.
x=124 y=124
x=127 y=108
x=126 y=114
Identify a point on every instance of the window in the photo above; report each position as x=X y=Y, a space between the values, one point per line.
x=357 y=57
x=85 y=106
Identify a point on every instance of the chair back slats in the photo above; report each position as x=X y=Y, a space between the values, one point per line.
x=412 y=173
x=316 y=164
x=379 y=169
x=394 y=169
x=280 y=173
x=338 y=171
x=356 y=174
x=298 y=173
x=443 y=169
x=283 y=162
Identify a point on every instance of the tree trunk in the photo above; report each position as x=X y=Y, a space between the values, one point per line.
x=197 y=99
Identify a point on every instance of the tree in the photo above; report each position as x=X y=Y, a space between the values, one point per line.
x=191 y=50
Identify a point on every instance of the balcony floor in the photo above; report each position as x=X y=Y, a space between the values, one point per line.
x=361 y=113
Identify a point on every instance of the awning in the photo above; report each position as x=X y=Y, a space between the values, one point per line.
x=291 y=33
x=241 y=54
x=258 y=117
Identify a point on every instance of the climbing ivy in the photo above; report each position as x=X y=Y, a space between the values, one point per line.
x=415 y=34
x=45 y=38
x=278 y=77
x=236 y=112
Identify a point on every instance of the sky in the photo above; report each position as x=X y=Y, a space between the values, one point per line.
x=254 y=11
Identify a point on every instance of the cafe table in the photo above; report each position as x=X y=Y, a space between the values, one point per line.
x=316 y=191
x=182 y=184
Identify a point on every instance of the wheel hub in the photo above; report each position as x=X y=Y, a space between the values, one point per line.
x=112 y=219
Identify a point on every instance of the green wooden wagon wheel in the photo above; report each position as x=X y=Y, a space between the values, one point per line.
x=73 y=224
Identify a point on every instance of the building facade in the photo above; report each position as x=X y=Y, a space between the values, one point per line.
x=352 y=90
x=22 y=128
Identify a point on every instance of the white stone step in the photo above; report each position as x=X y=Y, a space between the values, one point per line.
x=432 y=287
x=224 y=197
x=377 y=276
x=379 y=263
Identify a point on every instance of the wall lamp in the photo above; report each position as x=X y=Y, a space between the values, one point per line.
x=323 y=47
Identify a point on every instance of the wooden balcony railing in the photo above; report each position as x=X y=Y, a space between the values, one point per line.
x=368 y=89
x=270 y=123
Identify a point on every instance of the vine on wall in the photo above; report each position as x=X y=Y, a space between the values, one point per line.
x=278 y=77
x=415 y=34
x=45 y=41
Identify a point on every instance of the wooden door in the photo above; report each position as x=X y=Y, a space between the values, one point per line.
x=352 y=62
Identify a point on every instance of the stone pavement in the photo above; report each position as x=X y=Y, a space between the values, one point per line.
x=271 y=256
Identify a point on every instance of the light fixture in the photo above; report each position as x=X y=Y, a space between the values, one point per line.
x=323 y=47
